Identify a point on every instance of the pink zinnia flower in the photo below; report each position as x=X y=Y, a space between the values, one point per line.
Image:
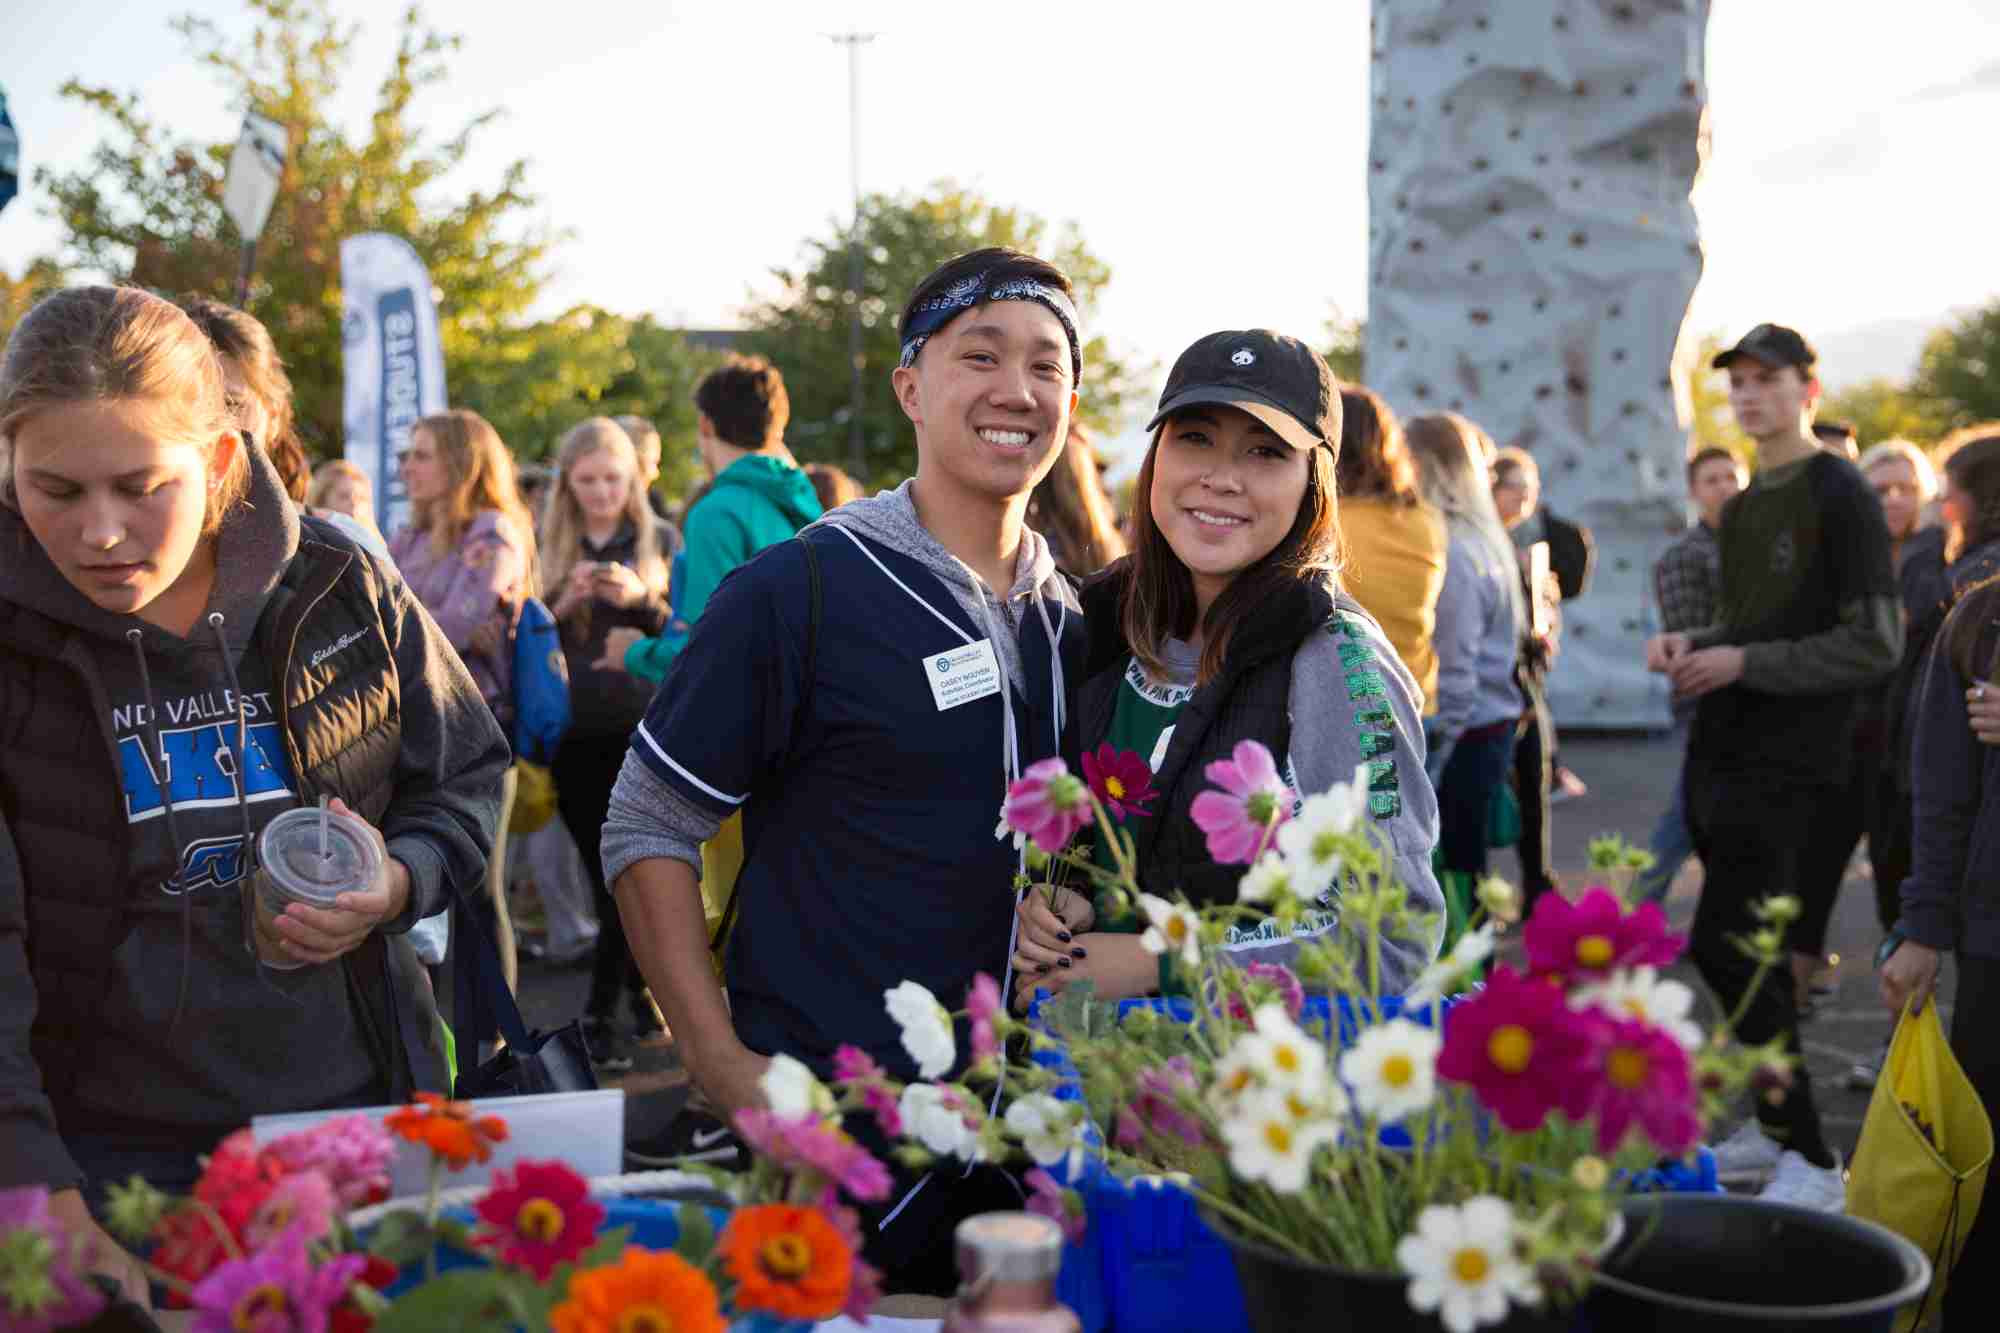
x=1120 y=779
x=1058 y=1204
x=73 y=1301
x=276 y=1290
x=541 y=1215
x=816 y=1146
x=353 y=1153
x=1637 y=1072
x=1240 y=819
x=982 y=1005
x=1593 y=937
x=1520 y=1047
x=304 y=1200
x=1048 y=804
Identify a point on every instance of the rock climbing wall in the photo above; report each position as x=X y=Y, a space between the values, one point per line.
x=1532 y=254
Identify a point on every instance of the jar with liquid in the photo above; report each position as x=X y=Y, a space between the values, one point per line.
x=1007 y=1267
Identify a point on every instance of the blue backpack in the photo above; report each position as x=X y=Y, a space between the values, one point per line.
x=541 y=685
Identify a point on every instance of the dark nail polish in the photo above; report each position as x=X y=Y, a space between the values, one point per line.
x=1063 y=935
x=1078 y=953
x=1041 y=967
x=1062 y=962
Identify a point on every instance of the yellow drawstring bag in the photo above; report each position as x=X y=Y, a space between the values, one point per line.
x=1920 y=1168
x=534 y=798
x=721 y=862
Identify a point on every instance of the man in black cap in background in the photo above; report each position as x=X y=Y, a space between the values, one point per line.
x=1807 y=616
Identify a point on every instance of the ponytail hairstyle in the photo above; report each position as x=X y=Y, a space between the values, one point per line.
x=1972 y=464
x=120 y=344
x=242 y=337
x=1454 y=478
x=562 y=516
x=1159 y=602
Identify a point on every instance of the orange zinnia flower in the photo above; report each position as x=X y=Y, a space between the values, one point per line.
x=790 y=1261
x=448 y=1129
x=645 y=1292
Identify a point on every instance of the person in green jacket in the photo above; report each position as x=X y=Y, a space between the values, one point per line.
x=759 y=496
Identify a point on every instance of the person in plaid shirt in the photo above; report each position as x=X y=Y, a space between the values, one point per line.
x=1687 y=579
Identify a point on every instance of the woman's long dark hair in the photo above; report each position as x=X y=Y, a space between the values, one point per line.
x=1374 y=462
x=1972 y=463
x=1977 y=608
x=1069 y=508
x=1159 y=601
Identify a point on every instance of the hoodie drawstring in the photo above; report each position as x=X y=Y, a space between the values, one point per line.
x=242 y=756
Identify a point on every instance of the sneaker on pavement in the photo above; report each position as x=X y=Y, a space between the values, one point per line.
x=1801 y=1183
x=1863 y=1074
x=1748 y=1154
x=608 y=1051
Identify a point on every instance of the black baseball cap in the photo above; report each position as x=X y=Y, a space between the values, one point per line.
x=1772 y=344
x=1278 y=380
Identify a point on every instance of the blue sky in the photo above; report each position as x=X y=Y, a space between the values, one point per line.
x=1217 y=163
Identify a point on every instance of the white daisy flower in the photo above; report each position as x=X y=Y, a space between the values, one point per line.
x=1045 y=1127
x=926 y=1028
x=1171 y=929
x=1236 y=1071
x=1462 y=1264
x=1270 y=879
x=791 y=1090
x=1440 y=978
x=1392 y=1068
x=1642 y=993
x=1284 y=1056
x=932 y=1121
x=1268 y=1143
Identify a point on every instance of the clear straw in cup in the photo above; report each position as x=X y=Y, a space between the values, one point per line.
x=311 y=856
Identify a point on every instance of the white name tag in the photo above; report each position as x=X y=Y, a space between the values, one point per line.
x=963 y=674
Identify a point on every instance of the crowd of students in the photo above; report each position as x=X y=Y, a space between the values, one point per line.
x=759 y=756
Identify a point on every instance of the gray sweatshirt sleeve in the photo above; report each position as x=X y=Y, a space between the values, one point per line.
x=1354 y=702
x=1461 y=620
x=1864 y=647
x=31 y=1151
x=649 y=819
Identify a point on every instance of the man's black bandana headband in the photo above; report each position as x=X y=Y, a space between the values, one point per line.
x=978 y=289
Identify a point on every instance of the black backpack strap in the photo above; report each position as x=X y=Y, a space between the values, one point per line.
x=728 y=918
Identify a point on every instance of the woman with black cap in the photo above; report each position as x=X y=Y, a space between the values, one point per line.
x=1227 y=624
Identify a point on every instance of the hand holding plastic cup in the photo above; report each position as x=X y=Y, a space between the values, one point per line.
x=309 y=856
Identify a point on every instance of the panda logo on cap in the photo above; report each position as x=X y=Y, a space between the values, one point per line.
x=1243 y=356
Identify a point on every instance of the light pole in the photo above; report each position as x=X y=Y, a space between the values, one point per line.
x=853 y=41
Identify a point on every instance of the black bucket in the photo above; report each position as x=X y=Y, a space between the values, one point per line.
x=1720 y=1263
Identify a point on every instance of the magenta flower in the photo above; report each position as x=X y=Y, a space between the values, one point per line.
x=983 y=1003
x=887 y=1108
x=851 y=1064
x=353 y=1153
x=304 y=1200
x=855 y=1068
x=864 y=1291
x=65 y=1299
x=1156 y=1103
x=1061 y=1206
x=1593 y=937
x=1048 y=804
x=815 y=1145
x=1520 y=1047
x=1264 y=982
x=276 y=1290
x=1121 y=780
x=1637 y=1072
x=1240 y=819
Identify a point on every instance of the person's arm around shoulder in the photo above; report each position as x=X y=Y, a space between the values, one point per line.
x=31 y=1149
x=1329 y=744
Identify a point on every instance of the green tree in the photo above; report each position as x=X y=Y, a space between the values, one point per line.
x=146 y=207
x=1958 y=374
x=1346 y=344
x=1882 y=409
x=804 y=328
x=19 y=295
x=1713 y=425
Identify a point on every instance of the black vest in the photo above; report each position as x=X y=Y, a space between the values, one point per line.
x=62 y=798
x=1249 y=699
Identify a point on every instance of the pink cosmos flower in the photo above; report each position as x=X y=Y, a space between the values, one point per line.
x=73 y=1301
x=1637 y=1072
x=818 y=1146
x=1241 y=818
x=1058 y=1204
x=1156 y=1105
x=1520 y=1047
x=855 y=1068
x=1048 y=804
x=1121 y=780
x=353 y=1153
x=304 y=1200
x=1593 y=937
x=1268 y=981
x=276 y=1290
x=887 y=1108
x=983 y=1003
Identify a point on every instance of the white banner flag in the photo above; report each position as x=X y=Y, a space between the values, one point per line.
x=392 y=359
x=256 y=166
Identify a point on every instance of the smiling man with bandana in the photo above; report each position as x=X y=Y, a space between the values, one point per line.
x=863 y=695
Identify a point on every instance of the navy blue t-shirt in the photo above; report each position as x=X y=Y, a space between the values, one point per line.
x=869 y=812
